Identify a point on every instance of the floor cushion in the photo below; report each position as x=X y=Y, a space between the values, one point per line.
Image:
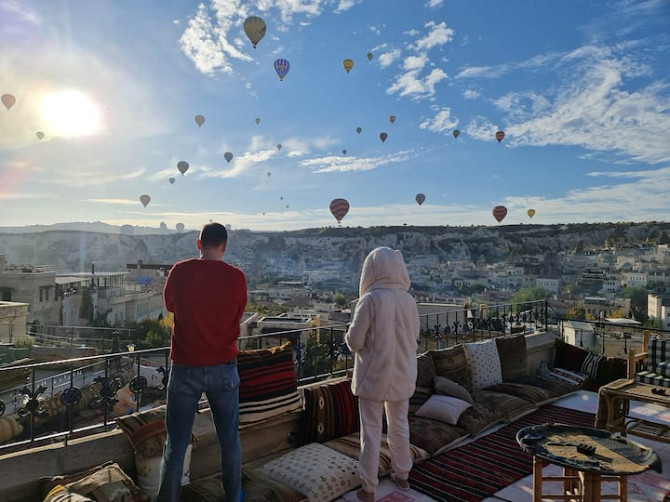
x=513 y=356
x=510 y=407
x=433 y=436
x=478 y=418
x=331 y=411
x=535 y=395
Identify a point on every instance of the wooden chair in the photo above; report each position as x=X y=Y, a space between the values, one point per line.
x=636 y=362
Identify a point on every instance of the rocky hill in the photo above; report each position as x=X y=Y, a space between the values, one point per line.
x=344 y=247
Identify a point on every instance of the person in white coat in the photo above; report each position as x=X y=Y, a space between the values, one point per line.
x=383 y=336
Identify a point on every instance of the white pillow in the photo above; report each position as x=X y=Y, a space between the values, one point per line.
x=315 y=470
x=447 y=387
x=443 y=408
x=484 y=364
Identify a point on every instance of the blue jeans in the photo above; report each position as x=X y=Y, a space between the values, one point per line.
x=221 y=385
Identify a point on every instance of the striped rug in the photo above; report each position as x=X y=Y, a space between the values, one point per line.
x=479 y=469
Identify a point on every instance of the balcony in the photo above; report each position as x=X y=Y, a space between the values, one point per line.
x=85 y=433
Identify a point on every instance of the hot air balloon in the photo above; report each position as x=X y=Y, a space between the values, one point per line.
x=339 y=208
x=258 y=121
x=199 y=119
x=254 y=28
x=499 y=213
x=269 y=174
x=145 y=199
x=348 y=64
x=500 y=135
x=39 y=135
x=171 y=180
x=282 y=67
x=370 y=56
x=8 y=100
x=420 y=198
x=228 y=156
x=530 y=213
x=180 y=227
x=383 y=136
x=278 y=146
x=359 y=130
x=456 y=133
x=182 y=165
x=392 y=119
x=344 y=152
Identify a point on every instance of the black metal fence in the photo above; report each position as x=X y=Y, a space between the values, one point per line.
x=73 y=397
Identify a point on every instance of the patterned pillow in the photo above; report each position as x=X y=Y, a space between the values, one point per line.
x=62 y=494
x=452 y=363
x=351 y=447
x=331 y=411
x=268 y=383
x=568 y=356
x=513 y=356
x=590 y=365
x=131 y=423
x=484 y=364
x=425 y=370
x=319 y=472
x=433 y=436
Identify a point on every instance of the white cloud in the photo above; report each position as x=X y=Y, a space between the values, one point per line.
x=439 y=34
x=334 y=163
x=345 y=5
x=442 y=121
x=387 y=58
x=539 y=61
x=434 y=3
x=113 y=202
x=471 y=94
x=412 y=84
x=18 y=12
x=415 y=62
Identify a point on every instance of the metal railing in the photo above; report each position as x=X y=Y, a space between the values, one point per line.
x=65 y=399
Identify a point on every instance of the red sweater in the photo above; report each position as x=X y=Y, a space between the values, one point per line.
x=208 y=298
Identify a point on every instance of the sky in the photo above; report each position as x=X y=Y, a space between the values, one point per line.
x=107 y=93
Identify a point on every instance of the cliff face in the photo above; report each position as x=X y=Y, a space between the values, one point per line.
x=74 y=251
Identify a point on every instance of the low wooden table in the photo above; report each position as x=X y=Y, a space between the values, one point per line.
x=614 y=407
x=610 y=458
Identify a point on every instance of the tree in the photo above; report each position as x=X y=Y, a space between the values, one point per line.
x=638 y=301
x=340 y=299
x=530 y=294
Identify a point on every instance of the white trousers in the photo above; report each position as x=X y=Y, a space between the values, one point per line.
x=371 y=438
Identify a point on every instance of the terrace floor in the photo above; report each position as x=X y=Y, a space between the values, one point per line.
x=646 y=487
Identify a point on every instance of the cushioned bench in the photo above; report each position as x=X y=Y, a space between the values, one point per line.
x=652 y=366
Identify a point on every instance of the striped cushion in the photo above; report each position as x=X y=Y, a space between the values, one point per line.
x=268 y=383
x=652 y=378
x=658 y=356
x=590 y=365
x=331 y=411
x=132 y=423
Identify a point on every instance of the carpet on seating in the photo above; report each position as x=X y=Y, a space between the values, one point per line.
x=479 y=469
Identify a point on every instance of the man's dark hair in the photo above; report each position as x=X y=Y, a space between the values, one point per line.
x=213 y=235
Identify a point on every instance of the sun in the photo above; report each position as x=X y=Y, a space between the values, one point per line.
x=71 y=113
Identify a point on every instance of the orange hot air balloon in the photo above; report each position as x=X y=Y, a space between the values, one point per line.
x=145 y=199
x=392 y=119
x=199 y=119
x=383 y=136
x=420 y=198
x=500 y=135
x=339 y=208
x=456 y=133
x=499 y=213
x=530 y=213
x=348 y=64
x=39 y=135
x=182 y=165
x=8 y=100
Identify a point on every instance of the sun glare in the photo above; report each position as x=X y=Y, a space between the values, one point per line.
x=71 y=113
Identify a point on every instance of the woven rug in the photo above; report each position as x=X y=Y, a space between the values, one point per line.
x=479 y=469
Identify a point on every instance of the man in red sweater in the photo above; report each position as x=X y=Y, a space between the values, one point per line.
x=207 y=297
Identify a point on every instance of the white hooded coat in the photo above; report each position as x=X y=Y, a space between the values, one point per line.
x=384 y=331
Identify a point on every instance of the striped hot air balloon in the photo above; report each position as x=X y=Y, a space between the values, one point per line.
x=282 y=67
x=499 y=213
x=339 y=208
